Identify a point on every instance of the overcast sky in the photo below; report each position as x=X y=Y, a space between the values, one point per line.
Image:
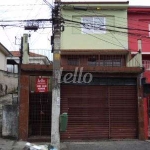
x=33 y=9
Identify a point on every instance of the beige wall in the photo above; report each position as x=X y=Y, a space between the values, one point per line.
x=72 y=38
x=3 y=65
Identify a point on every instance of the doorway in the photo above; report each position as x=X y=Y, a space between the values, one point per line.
x=40 y=102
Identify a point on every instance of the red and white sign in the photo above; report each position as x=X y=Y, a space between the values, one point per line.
x=41 y=85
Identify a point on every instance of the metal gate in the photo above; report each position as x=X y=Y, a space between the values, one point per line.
x=40 y=103
x=40 y=114
x=99 y=112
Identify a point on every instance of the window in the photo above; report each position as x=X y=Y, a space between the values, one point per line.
x=73 y=61
x=93 y=25
x=93 y=61
x=113 y=61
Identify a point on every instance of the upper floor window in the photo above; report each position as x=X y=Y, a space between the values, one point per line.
x=114 y=61
x=73 y=61
x=93 y=25
x=93 y=61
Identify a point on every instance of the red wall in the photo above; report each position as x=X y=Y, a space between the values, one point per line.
x=139 y=18
x=139 y=21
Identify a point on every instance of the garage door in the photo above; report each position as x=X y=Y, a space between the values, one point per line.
x=99 y=112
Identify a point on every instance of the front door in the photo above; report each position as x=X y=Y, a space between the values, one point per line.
x=40 y=99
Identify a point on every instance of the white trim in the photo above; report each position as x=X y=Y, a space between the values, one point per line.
x=142 y=53
x=92 y=30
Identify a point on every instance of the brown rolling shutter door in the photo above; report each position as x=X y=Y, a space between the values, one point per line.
x=87 y=108
x=123 y=112
x=99 y=112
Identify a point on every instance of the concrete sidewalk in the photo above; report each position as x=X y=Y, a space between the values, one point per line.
x=107 y=145
x=6 y=144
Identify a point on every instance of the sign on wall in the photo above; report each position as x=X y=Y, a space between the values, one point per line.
x=41 y=85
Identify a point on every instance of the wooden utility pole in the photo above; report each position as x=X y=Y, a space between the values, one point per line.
x=55 y=135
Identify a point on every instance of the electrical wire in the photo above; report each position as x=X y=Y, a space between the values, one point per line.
x=118 y=27
x=18 y=5
x=134 y=36
x=115 y=15
x=91 y=25
x=100 y=38
x=49 y=4
x=110 y=32
x=6 y=11
x=8 y=38
x=106 y=30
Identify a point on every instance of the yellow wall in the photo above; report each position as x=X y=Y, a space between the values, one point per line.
x=72 y=38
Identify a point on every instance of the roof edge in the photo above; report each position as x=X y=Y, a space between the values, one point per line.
x=95 y=2
x=5 y=50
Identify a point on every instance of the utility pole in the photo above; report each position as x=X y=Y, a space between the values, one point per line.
x=55 y=135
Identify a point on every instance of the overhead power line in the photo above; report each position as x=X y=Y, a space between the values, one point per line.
x=26 y=20
x=115 y=31
x=82 y=23
x=103 y=14
x=49 y=4
x=18 y=5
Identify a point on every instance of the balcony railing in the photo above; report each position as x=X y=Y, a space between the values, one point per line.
x=101 y=63
x=146 y=64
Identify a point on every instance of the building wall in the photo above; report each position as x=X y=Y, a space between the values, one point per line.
x=72 y=38
x=8 y=82
x=139 y=21
x=3 y=62
x=138 y=18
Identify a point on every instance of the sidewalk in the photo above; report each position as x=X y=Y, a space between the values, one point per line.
x=108 y=145
x=6 y=144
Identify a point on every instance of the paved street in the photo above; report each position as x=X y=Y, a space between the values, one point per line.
x=6 y=144
x=108 y=145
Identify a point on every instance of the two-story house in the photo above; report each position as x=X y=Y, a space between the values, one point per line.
x=8 y=81
x=102 y=98
x=100 y=83
x=139 y=28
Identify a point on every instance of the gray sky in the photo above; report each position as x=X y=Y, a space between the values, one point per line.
x=33 y=9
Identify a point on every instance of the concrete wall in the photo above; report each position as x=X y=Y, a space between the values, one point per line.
x=4 y=100
x=3 y=65
x=8 y=82
x=73 y=38
x=10 y=121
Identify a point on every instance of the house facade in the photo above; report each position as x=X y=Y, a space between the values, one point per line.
x=4 y=53
x=139 y=27
x=33 y=59
x=94 y=44
x=35 y=76
x=100 y=82
x=8 y=81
